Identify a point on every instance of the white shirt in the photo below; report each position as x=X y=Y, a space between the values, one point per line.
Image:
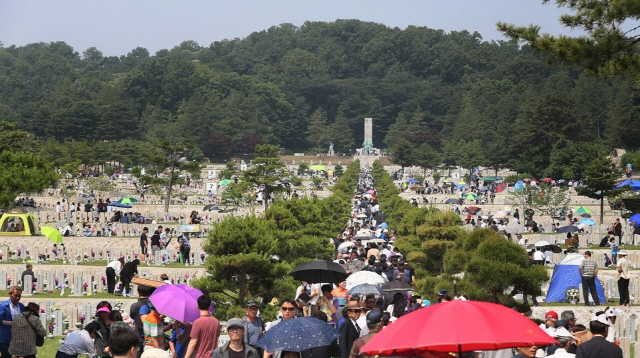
x=538 y=256
x=15 y=309
x=561 y=353
x=362 y=323
x=77 y=342
x=315 y=288
x=116 y=265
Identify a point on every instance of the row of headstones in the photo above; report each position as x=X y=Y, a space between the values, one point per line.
x=87 y=253
x=79 y=283
x=64 y=218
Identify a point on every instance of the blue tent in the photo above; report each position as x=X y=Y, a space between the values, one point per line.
x=633 y=184
x=518 y=186
x=566 y=275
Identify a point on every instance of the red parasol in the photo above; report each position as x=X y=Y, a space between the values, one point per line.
x=458 y=326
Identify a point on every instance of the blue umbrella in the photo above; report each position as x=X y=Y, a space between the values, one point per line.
x=635 y=217
x=297 y=335
x=589 y=222
x=412 y=181
x=384 y=225
x=569 y=228
x=365 y=289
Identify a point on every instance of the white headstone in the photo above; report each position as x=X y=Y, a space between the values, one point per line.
x=39 y=282
x=58 y=324
x=27 y=286
x=3 y=280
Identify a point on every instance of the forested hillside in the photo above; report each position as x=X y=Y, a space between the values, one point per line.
x=302 y=87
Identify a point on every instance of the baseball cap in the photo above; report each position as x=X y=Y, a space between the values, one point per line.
x=374 y=317
x=235 y=322
x=442 y=292
x=613 y=312
x=601 y=318
x=551 y=315
x=252 y=303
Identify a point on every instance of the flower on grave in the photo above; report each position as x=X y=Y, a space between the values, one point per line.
x=50 y=328
x=33 y=285
x=55 y=308
x=108 y=251
x=81 y=318
x=572 y=293
x=93 y=253
x=202 y=256
x=0 y=256
x=19 y=251
x=56 y=281
x=85 y=285
x=93 y=277
x=41 y=256
x=135 y=255
x=104 y=280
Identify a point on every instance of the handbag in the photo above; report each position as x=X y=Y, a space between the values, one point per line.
x=39 y=338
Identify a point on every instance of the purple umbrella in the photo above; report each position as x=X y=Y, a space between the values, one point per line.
x=179 y=302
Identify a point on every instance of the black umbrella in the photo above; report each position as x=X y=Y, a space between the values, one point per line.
x=452 y=201
x=568 y=228
x=555 y=249
x=319 y=271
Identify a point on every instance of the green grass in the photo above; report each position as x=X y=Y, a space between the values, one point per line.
x=50 y=347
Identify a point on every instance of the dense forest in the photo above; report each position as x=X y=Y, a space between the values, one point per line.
x=450 y=96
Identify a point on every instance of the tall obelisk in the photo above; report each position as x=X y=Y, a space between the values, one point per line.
x=367 y=145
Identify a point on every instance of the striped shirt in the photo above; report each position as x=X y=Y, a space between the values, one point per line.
x=153 y=328
x=589 y=267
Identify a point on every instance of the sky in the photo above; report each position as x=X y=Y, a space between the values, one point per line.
x=116 y=27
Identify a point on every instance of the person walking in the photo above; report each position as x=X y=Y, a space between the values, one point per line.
x=253 y=326
x=235 y=347
x=375 y=324
x=204 y=332
x=349 y=330
x=589 y=273
x=144 y=243
x=598 y=346
x=622 y=269
x=25 y=328
x=184 y=247
x=113 y=270
x=8 y=310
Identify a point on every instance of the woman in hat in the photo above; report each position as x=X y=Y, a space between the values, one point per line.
x=23 y=337
x=101 y=341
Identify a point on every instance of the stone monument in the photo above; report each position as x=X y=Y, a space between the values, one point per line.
x=367 y=145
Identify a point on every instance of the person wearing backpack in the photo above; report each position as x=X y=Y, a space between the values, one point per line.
x=254 y=326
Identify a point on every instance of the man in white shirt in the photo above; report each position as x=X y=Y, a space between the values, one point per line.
x=538 y=257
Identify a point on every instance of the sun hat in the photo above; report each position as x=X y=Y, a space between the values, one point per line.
x=104 y=309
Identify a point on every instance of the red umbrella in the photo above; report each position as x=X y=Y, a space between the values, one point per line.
x=457 y=326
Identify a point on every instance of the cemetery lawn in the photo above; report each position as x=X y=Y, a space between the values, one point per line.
x=50 y=347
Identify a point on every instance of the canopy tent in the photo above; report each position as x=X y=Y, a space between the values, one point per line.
x=17 y=222
x=633 y=184
x=566 y=276
x=518 y=186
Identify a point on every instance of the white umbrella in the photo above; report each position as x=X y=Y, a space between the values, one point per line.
x=361 y=216
x=345 y=244
x=362 y=277
x=376 y=241
x=542 y=243
x=500 y=215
